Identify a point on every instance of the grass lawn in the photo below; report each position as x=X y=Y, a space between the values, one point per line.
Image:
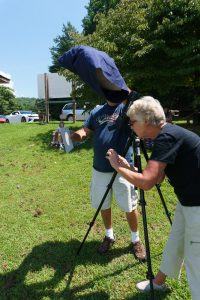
x=45 y=212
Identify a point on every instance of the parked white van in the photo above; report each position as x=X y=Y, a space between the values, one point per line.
x=67 y=112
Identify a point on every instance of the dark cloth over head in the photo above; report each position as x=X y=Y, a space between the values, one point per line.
x=98 y=70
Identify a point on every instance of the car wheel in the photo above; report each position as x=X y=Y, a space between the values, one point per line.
x=7 y=121
x=23 y=119
x=70 y=118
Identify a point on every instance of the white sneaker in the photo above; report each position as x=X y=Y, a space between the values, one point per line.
x=144 y=286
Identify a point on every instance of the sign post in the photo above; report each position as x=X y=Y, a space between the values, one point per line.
x=46 y=92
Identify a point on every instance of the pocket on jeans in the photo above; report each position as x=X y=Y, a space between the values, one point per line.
x=194 y=245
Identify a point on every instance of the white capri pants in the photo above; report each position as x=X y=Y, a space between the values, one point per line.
x=125 y=194
x=184 y=246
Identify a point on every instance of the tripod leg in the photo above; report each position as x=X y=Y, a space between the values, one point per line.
x=163 y=203
x=150 y=275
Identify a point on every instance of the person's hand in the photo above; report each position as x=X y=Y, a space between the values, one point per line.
x=112 y=156
x=74 y=136
x=123 y=162
x=116 y=160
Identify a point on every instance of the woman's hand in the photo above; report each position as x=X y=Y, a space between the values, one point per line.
x=116 y=160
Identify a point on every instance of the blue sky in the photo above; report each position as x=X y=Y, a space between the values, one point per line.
x=28 y=28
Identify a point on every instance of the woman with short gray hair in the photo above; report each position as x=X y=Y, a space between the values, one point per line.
x=147 y=109
x=176 y=154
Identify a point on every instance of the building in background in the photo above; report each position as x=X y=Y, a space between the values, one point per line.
x=5 y=80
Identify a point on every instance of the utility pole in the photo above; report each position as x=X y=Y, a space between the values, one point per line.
x=46 y=93
x=74 y=100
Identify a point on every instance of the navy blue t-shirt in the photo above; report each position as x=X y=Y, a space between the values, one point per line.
x=180 y=149
x=106 y=136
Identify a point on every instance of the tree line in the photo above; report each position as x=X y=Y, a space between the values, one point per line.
x=9 y=103
x=155 y=44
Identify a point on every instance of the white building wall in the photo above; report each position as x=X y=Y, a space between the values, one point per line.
x=10 y=83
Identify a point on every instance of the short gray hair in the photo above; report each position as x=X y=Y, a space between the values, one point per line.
x=147 y=109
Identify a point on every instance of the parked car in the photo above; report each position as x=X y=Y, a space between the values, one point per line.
x=67 y=112
x=19 y=116
x=2 y=119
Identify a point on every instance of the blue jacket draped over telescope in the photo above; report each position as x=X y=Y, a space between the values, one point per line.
x=85 y=60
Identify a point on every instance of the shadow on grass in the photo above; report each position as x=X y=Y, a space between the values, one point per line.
x=60 y=258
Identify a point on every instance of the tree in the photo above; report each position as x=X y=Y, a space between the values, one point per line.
x=40 y=106
x=26 y=103
x=93 y=9
x=170 y=56
x=120 y=34
x=62 y=43
x=110 y=36
x=7 y=100
x=70 y=38
x=155 y=44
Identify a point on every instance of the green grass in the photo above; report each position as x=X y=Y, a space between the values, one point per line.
x=45 y=212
